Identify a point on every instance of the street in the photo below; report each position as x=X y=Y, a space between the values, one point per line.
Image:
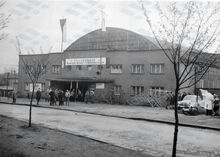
x=148 y=137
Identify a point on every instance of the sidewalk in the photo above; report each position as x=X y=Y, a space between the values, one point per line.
x=160 y=115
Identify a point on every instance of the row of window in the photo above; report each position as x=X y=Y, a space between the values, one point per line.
x=117 y=68
x=136 y=90
x=209 y=83
x=29 y=86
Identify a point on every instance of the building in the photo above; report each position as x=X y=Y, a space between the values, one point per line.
x=8 y=83
x=117 y=63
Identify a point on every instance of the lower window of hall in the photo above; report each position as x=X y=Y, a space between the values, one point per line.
x=157 y=91
x=117 y=90
x=29 y=86
x=135 y=90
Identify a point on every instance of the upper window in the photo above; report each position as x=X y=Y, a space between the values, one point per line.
x=137 y=68
x=79 y=67
x=116 y=68
x=89 y=67
x=99 y=67
x=56 y=69
x=69 y=67
x=157 y=68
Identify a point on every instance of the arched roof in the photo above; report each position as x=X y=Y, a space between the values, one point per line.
x=113 y=39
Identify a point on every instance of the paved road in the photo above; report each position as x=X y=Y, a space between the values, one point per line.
x=148 y=137
x=136 y=112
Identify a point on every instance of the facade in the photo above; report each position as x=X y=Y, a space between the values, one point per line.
x=8 y=83
x=117 y=63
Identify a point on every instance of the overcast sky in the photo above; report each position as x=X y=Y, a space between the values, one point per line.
x=36 y=23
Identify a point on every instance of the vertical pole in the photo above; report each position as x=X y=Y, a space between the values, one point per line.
x=76 y=90
x=71 y=85
x=62 y=42
x=100 y=67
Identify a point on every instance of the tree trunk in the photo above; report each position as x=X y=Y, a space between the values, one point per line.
x=30 y=110
x=176 y=121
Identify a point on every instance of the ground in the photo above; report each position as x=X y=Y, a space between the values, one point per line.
x=18 y=140
x=147 y=137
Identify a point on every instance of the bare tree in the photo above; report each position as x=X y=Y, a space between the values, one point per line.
x=34 y=66
x=4 y=19
x=184 y=31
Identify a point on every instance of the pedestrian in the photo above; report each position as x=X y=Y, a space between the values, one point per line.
x=168 y=98
x=56 y=96
x=86 y=99
x=52 y=97
x=60 y=97
x=172 y=100
x=67 y=95
x=209 y=107
x=92 y=95
x=38 y=96
x=216 y=105
x=14 y=96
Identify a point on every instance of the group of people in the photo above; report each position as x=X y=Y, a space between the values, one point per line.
x=65 y=96
x=56 y=95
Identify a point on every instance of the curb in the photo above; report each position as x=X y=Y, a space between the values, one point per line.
x=123 y=117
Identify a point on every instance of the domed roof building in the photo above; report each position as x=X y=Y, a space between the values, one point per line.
x=113 y=39
x=117 y=63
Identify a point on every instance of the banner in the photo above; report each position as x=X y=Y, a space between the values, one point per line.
x=86 y=61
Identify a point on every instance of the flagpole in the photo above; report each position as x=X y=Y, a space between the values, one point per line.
x=62 y=25
x=62 y=41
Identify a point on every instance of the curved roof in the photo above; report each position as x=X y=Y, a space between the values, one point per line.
x=112 y=39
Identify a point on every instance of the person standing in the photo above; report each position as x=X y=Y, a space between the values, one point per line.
x=67 y=95
x=209 y=107
x=14 y=96
x=52 y=97
x=216 y=105
x=38 y=96
x=168 y=98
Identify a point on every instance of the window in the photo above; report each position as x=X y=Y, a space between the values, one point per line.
x=26 y=86
x=42 y=86
x=29 y=86
x=135 y=90
x=69 y=67
x=117 y=90
x=157 y=91
x=157 y=68
x=116 y=68
x=28 y=69
x=201 y=83
x=56 y=69
x=99 y=67
x=89 y=67
x=137 y=68
x=78 y=67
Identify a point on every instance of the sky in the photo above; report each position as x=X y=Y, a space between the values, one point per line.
x=36 y=24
